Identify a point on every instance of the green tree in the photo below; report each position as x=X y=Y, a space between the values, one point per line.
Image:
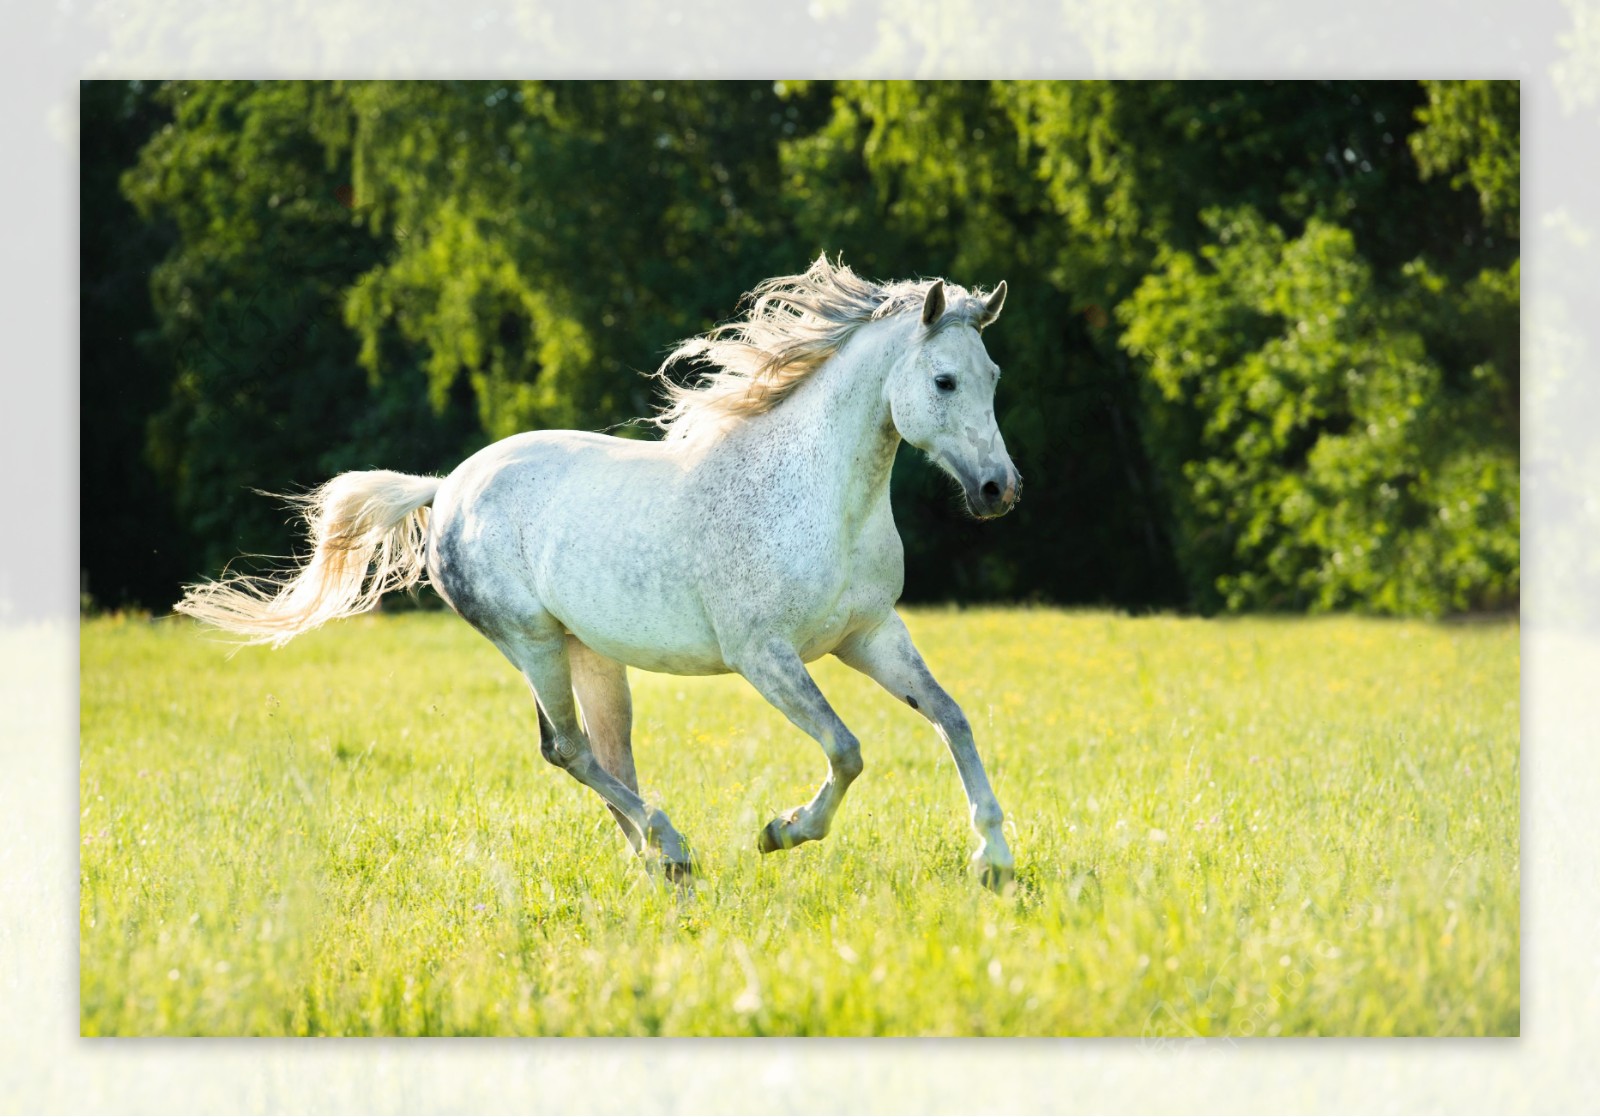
x=1337 y=466
x=1474 y=129
x=133 y=546
x=1260 y=351
x=558 y=237
x=265 y=390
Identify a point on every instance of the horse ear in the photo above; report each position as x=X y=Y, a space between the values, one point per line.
x=991 y=307
x=933 y=303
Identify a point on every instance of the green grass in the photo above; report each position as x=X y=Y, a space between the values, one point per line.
x=1222 y=828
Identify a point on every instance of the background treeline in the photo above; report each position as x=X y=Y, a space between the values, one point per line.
x=1261 y=349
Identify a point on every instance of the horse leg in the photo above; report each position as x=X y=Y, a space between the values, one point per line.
x=779 y=674
x=887 y=655
x=540 y=653
x=606 y=706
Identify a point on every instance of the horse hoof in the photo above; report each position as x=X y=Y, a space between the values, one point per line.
x=996 y=878
x=771 y=839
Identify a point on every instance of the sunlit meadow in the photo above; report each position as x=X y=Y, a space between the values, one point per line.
x=1222 y=828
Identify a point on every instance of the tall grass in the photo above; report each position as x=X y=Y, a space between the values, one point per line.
x=1239 y=828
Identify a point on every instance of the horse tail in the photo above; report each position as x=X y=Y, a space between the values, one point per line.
x=369 y=533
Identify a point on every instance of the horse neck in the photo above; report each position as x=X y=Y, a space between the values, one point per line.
x=839 y=423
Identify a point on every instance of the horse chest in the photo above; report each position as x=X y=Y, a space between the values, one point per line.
x=819 y=583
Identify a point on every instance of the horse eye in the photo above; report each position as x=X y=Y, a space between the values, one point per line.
x=945 y=383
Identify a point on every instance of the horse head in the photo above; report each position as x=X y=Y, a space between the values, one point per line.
x=941 y=398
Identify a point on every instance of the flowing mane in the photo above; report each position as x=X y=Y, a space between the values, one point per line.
x=792 y=325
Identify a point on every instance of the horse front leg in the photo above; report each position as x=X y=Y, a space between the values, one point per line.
x=777 y=671
x=886 y=655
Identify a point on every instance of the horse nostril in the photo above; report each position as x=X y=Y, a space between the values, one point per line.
x=991 y=490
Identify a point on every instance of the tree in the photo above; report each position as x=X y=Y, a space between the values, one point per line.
x=1260 y=349
x=265 y=390
x=561 y=236
x=1337 y=465
x=133 y=546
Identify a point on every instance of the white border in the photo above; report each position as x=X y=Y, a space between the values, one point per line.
x=1554 y=49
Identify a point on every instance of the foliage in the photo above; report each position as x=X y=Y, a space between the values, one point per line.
x=1223 y=829
x=1336 y=465
x=133 y=545
x=392 y=274
x=1475 y=126
x=265 y=392
x=560 y=234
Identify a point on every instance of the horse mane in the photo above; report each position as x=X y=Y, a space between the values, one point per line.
x=791 y=325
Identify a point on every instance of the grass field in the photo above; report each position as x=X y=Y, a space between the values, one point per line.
x=1222 y=829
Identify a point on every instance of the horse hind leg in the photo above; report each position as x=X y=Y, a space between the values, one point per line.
x=540 y=652
x=606 y=706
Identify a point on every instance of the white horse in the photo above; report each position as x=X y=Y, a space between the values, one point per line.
x=754 y=538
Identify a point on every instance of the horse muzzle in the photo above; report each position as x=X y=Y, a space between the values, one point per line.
x=994 y=495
